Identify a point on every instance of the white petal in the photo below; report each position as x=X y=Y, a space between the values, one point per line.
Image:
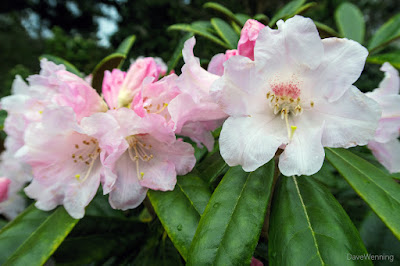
x=349 y=121
x=391 y=83
x=341 y=66
x=388 y=154
x=251 y=141
x=304 y=155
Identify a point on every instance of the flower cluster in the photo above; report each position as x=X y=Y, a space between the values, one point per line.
x=281 y=89
x=70 y=139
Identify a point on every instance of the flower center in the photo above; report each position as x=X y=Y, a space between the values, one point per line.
x=284 y=99
x=86 y=154
x=139 y=151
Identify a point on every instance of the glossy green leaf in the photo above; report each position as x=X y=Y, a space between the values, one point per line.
x=350 y=22
x=179 y=210
x=325 y=30
x=57 y=60
x=242 y=18
x=126 y=45
x=236 y=28
x=375 y=187
x=108 y=63
x=226 y=32
x=392 y=58
x=212 y=167
x=223 y=10
x=309 y=227
x=387 y=33
x=44 y=240
x=17 y=231
x=196 y=29
x=230 y=227
x=289 y=9
x=304 y=9
x=177 y=55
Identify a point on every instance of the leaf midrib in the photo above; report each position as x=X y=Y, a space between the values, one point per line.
x=308 y=221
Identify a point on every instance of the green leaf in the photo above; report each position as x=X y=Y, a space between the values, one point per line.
x=201 y=31
x=226 y=32
x=179 y=210
x=126 y=45
x=309 y=227
x=40 y=243
x=212 y=167
x=325 y=30
x=223 y=10
x=375 y=187
x=108 y=63
x=350 y=22
x=392 y=58
x=236 y=28
x=231 y=224
x=57 y=60
x=289 y=9
x=304 y=9
x=242 y=18
x=177 y=55
x=387 y=33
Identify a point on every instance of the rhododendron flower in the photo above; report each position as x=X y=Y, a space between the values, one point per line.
x=297 y=92
x=65 y=161
x=216 y=65
x=386 y=146
x=142 y=153
x=248 y=37
x=138 y=71
x=194 y=104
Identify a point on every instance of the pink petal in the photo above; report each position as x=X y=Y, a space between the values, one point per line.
x=248 y=37
x=4 y=185
x=112 y=83
x=388 y=154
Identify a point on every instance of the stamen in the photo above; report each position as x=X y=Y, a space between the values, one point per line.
x=312 y=104
x=162 y=109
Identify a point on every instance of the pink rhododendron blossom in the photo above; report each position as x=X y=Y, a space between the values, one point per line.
x=256 y=262
x=138 y=71
x=142 y=153
x=65 y=161
x=298 y=92
x=112 y=83
x=216 y=65
x=386 y=146
x=248 y=38
x=195 y=104
x=4 y=184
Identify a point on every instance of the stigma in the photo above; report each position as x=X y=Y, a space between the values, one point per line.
x=139 y=151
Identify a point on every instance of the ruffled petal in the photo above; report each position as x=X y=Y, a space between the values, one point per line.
x=251 y=141
x=391 y=83
x=388 y=154
x=341 y=66
x=248 y=37
x=349 y=121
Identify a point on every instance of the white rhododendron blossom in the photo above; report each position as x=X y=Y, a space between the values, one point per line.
x=386 y=146
x=297 y=94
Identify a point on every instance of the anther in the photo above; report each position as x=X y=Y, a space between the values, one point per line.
x=76 y=146
x=312 y=104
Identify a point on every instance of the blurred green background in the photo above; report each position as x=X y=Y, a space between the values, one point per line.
x=83 y=32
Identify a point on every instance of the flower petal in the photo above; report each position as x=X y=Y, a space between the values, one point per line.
x=388 y=154
x=349 y=121
x=304 y=154
x=127 y=192
x=251 y=141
